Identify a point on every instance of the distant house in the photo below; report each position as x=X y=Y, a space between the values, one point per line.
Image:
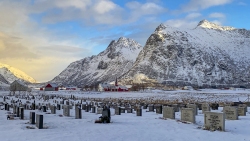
x=111 y=87
x=70 y=88
x=18 y=86
x=51 y=87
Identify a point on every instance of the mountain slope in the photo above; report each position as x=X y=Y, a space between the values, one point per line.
x=116 y=60
x=206 y=55
x=9 y=74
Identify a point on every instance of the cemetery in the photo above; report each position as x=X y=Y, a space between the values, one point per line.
x=131 y=116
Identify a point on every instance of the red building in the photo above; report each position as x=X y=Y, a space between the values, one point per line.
x=51 y=87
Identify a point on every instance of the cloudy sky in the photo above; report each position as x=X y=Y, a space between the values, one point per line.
x=42 y=37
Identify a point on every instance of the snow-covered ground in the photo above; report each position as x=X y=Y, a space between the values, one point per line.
x=127 y=126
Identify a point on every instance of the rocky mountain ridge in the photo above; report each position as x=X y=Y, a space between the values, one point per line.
x=208 y=55
x=9 y=74
x=111 y=63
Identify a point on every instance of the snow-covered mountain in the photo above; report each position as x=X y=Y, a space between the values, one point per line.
x=9 y=74
x=209 y=54
x=113 y=62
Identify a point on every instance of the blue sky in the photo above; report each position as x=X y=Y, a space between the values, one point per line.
x=48 y=35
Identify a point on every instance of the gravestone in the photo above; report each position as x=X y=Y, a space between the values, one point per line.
x=145 y=106
x=214 y=121
x=39 y=121
x=78 y=112
x=58 y=107
x=214 y=106
x=129 y=110
x=151 y=108
x=66 y=110
x=243 y=105
x=169 y=112
x=231 y=113
x=14 y=109
x=53 y=109
x=106 y=116
x=122 y=110
x=193 y=106
x=83 y=106
x=32 y=117
x=67 y=102
x=6 y=106
x=241 y=111
x=21 y=112
x=117 y=111
x=158 y=109
x=188 y=115
x=205 y=107
x=176 y=107
x=87 y=108
x=44 y=108
x=99 y=110
x=138 y=112
x=93 y=109
x=17 y=111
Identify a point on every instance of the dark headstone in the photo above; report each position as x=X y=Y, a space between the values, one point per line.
x=158 y=109
x=93 y=109
x=39 y=121
x=44 y=108
x=21 y=111
x=129 y=110
x=78 y=112
x=122 y=110
x=32 y=117
x=138 y=112
x=117 y=111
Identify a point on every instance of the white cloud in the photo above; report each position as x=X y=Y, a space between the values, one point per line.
x=180 y=23
x=217 y=15
x=193 y=15
x=195 y=5
x=103 y=7
x=242 y=3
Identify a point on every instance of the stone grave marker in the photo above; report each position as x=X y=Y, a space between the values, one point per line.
x=32 y=117
x=118 y=111
x=129 y=110
x=158 y=109
x=53 y=109
x=83 y=106
x=17 y=111
x=176 y=107
x=231 y=113
x=151 y=108
x=87 y=108
x=243 y=105
x=44 y=108
x=93 y=109
x=66 y=110
x=169 y=112
x=78 y=112
x=99 y=110
x=188 y=115
x=58 y=106
x=138 y=112
x=193 y=106
x=214 y=121
x=39 y=121
x=205 y=107
x=21 y=112
x=122 y=110
x=241 y=111
x=214 y=106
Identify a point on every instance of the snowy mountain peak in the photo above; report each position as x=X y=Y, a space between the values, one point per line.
x=161 y=27
x=11 y=74
x=108 y=65
x=210 y=25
